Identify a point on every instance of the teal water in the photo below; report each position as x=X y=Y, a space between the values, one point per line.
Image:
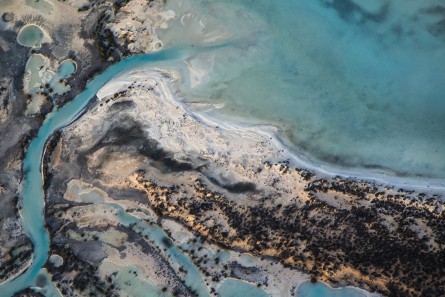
x=193 y=277
x=30 y=36
x=66 y=68
x=37 y=70
x=352 y=84
x=33 y=197
x=321 y=290
x=32 y=212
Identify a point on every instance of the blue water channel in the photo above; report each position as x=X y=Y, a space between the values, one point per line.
x=32 y=212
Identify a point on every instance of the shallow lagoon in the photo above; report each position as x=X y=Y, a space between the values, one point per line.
x=354 y=86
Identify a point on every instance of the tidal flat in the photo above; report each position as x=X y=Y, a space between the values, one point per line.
x=155 y=152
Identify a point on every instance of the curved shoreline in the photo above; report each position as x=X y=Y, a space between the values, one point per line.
x=243 y=149
x=303 y=159
x=49 y=127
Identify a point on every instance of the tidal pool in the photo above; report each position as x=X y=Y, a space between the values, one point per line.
x=30 y=36
x=66 y=68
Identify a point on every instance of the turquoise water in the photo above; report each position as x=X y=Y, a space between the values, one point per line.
x=355 y=86
x=321 y=290
x=193 y=278
x=358 y=86
x=38 y=73
x=33 y=197
x=30 y=36
x=32 y=194
x=66 y=69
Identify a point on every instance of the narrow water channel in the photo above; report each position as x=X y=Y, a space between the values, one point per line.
x=32 y=212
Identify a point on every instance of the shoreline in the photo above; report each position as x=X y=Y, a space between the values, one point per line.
x=209 y=163
x=224 y=181
x=303 y=159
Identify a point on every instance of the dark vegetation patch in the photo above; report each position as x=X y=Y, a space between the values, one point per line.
x=127 y=134
x=167 y=241
x=237 y=188
x=16 y=261
x=28 y=293
x=121 y=106
x=331 y=237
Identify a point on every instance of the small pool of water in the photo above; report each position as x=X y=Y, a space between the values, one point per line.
x=64 y=71
x=66 y=68
x=40 y=78
x=31 y=36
